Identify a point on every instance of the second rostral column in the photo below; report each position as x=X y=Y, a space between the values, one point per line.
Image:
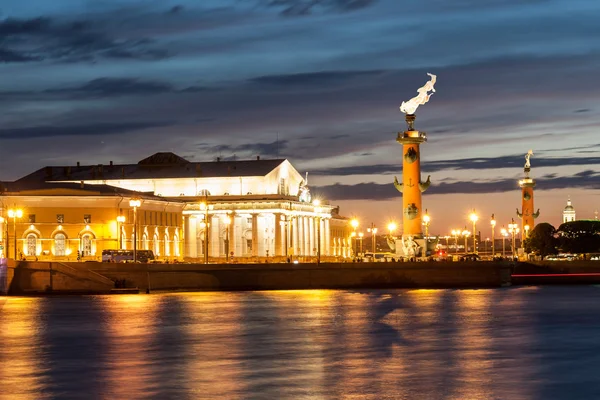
x=411 y=186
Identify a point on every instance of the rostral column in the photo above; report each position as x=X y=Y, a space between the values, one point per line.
x=527 y=215
x=411 y=186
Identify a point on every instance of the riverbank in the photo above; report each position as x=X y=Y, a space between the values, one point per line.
x=31 y=278
x=51 y=277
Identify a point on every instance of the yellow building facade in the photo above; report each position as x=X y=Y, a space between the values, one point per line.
x=67 y=223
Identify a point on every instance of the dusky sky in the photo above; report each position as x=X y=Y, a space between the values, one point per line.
x=318 y=82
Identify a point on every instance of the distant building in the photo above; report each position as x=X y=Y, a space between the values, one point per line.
x=569 y=212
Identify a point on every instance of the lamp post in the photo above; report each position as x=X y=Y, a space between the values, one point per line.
x=455 y=233
x=14 y=214
x=493 y=224
x=473 y=217
x=4 y=241
x=504 y=235
x=227 y=223
x=135 y=203
x=513 y=229
x=360 y=237
x=354 y=224
x=373 y=231
x=426 y=222
x=120 y=221
x=204 y=206
x=466 y=234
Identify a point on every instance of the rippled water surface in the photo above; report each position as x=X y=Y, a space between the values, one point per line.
x=514 y=343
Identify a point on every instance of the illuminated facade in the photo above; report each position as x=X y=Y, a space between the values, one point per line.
x=206 y=210
x=61 y=221
x=569 y=213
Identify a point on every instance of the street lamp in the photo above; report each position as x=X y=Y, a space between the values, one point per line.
x=227 y=223
x=14 y=214
x=466 y=234
x=473 y=217
x=5 y=241
x=204 y=206
x=373 y=232
x=493 y=224
x=120 y=221
x=135 y=203
x=513 y=229
x=360 y=237
x=426 y=222
x=504 y=235
x=391 y=228
x=455 y=233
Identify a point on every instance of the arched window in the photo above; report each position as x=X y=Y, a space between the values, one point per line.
x=145 y=241
x=176 y=245
x=86 y=245
x=156 y=245
x=60 y=244
x=167 y=246
x=31 y=244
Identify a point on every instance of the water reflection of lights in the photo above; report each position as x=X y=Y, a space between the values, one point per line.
x=21 y=368
x=130 y=322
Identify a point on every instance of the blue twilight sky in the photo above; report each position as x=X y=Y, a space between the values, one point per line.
x=318 y=82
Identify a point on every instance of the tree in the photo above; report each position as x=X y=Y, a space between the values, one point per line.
x=542 y=240
x=580 y=236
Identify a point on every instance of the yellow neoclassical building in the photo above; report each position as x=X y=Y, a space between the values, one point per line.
x=197 y=211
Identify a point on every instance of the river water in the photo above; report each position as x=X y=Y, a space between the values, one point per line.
x=510 y=343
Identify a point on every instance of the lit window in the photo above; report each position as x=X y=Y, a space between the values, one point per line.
x=60 y=244
x=86 y=245
x=31 y=244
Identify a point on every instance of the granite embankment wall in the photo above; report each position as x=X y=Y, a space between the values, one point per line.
x=34 y=277
x=28 y=277
x=308 y=276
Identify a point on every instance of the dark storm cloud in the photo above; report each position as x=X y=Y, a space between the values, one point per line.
x=461 y=164
x=319 y=79
x=38 y=39
x=271 y=149
x=107 y=87
x=290 y=8
x=374 y=191
x=8 y=56
x=78 y=130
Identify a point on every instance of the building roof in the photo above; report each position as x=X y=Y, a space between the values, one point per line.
x=33 y=188
x=157 y=166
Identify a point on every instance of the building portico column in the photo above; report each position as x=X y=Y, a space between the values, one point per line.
x=231 y=236
x=326 y=229
x=254 y=235
x=279 y=229
x=294 y=236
